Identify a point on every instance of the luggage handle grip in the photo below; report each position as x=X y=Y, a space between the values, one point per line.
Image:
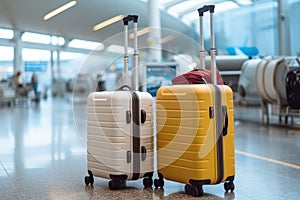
x=129 y=18
x=202 y=10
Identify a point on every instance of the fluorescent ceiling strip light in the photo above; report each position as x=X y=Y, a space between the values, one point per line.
x=108 y=22
x=59 y=10
x=140 y=32
x=166 y=39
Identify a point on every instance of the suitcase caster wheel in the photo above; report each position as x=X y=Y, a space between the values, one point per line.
x=229 y=186
x=117 y=184
x=193 y=190
x=112 y=185
x=159 y=183
x=89 y=179
x=147 y=182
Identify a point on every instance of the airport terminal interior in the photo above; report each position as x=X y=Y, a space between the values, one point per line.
x=55 y=54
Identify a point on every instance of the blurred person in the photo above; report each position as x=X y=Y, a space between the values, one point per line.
x=20 y=89
x=34 y=83
x=17 y=80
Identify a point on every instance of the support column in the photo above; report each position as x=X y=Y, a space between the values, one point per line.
x=52 y=66
x=155 y=32
x=58 y=65
x=18 y=60
x=284 y=39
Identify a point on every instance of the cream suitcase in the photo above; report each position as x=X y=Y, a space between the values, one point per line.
x=120 y=132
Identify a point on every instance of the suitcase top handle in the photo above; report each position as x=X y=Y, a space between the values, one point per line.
x=210 y=8
x=129 y=18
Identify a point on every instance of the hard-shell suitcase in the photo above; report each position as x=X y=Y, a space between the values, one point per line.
x=120 y=130
x=195 y=132
x=292 y=83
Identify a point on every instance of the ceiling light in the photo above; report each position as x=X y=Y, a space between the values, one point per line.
x=166 y=39
x=59 y=10
x=140 y=32
x=108 y=22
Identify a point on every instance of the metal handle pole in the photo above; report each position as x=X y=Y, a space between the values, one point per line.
x=125 y=61
x=135 y=58
x=212 y=51
x=202 y=50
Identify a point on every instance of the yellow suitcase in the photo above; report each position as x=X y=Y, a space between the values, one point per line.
x=195 y=136
x=195 y=132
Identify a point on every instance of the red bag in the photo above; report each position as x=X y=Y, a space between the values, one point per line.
x=196 y=76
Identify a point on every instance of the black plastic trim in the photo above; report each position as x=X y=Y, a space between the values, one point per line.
x=136 y=135
x=219 y=135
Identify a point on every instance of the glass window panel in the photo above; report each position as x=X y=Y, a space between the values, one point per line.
x=225 y=6
x=185 y=5
x=36 y=38
x=57 y=40
x=244 y=2
x=35 y=55
x=254 y=26
x=71 y=63
x=6 y=62
x=7 y=53
x=294 y=16
x=6 y=33
x=84 y=44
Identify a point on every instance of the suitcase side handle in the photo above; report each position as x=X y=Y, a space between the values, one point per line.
x=225 y=127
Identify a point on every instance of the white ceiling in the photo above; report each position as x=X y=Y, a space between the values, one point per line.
x=77 y=22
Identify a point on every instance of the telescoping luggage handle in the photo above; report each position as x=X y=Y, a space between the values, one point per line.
x=127 y=19
x=213 y=65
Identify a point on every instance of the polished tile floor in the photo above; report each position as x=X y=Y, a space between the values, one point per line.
x=43 y=156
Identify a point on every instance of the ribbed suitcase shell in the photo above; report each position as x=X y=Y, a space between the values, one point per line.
x=186 y=135
x=110 y=136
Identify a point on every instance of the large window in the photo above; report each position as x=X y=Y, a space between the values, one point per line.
x=294 y=17
x=6 y=62
x=38 y=61
x=249 y=26
x=6 y=33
